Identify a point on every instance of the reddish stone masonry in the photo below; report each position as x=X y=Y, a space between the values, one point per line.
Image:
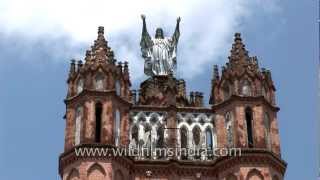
x=102 y=111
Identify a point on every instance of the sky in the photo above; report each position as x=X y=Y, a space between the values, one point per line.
x=39 y=37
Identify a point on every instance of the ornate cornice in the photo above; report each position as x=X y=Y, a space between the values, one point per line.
x=245 y=99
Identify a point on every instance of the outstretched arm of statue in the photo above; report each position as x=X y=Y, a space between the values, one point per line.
x=176 y=34
x=146 y=41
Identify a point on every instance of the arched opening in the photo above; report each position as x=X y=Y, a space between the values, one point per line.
x=78 y=123
x=117 y=127
x=96 y=172
x=248 y=114
x=135 y=135
x=80 y=86
x=196 y=135
x=147 y=140
x=209 y=141
x=99 y=82
x=160 y=136
x=254 y=174
x=267 y=130
x=246 y=88
x=98 y=113
x=184 y=142
x=229 y=128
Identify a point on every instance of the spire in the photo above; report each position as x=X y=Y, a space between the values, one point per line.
x=239 y=55
x=100 y=49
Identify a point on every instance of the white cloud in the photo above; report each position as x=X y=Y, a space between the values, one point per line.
x=207 y=26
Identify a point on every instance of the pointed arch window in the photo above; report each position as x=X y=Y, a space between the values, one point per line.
x=246 y=88
x=196 y=133
x=79 y=114
x=99 y=82
x=117 y=127
x=184 y=142
x=229 y=128
x=98 y=114
x=267 y=130
x=209 y=139
x=80 y=85
x=147 y=135
x=135 y=134
x=160 y=136
x=184 y=137
x=248 y=116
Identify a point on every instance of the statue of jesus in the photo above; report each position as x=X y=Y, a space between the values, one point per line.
x=160 y=52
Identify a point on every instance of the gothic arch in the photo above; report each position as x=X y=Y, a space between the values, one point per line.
x=98 y=121
x=196 y=135
x=118 y=175
x=154 y=118
x=246 y=87
x=96 y=172
x=135 y=133
x=99 y=81
x=249 y=126
x=254 y=174
x=184 y=137
x=160 y=135
x=141 y=116
x=213 y=135
x=73 y=175
x=189 y=118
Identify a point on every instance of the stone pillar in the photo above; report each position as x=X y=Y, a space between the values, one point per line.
x=240 y=127
x=107 y=122
x=89 y=121
x=258 y=127
x=69 y=129
x=221 y=131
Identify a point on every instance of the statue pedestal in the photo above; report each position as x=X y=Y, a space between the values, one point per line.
x=158 y=90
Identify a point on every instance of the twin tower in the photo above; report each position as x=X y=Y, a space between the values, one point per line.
x=103 y=115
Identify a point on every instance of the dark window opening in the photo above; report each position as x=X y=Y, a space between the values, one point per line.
x=98 y=122
x=184 y=143
x=249 y=127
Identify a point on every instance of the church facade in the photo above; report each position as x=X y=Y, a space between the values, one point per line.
x=104 y=115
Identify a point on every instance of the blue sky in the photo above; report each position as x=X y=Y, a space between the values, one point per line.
x=36 y=46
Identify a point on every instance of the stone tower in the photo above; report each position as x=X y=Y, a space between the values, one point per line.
x=103 y=115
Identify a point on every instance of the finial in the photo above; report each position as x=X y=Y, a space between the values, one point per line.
x=100 y=30
x=72 y=66
x=215 y=72
x=126 y=68
x=126 y=64
x=237 y=36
